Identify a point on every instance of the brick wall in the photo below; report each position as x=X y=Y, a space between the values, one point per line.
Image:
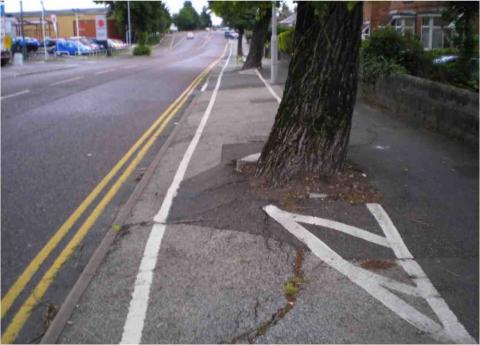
x=445 y=108
x=376 y=12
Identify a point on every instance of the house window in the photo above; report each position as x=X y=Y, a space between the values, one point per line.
x=433 y=34
x=404 y=24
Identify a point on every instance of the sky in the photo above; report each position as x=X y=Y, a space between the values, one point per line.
x=34 y=5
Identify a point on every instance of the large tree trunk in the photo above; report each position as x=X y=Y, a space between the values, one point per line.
x=312 y=126
x=260 y=30
x=240 y=42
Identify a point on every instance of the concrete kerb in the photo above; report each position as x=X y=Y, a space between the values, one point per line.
x=59 y=322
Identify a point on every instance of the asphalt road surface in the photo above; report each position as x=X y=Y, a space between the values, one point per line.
x=62 y=132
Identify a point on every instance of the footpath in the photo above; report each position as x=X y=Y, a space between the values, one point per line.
x=207 y=257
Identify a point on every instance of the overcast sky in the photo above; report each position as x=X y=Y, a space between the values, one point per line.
x=34 y=5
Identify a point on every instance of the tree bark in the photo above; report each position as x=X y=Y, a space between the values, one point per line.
x=312 y=126
x=240 y=42
x=260 y=30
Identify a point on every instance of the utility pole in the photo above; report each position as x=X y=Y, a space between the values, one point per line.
x=129 y=25
x=24 y=46
x=45 y=54
x=274 y=50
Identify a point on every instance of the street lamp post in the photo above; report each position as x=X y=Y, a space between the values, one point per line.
x=274 y=50
x=45 y=54
x=129 y=37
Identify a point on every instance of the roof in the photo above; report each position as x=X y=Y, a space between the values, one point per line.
x=62 y=12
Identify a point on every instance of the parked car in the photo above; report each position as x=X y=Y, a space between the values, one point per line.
x=71 y=47
x=445 y=59
x=89 y=42
x=32 y=44
x=116 y=44
x=190 y=36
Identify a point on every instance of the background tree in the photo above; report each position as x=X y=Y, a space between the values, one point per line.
x=312 y=126
x=462 y=14
x=205 y=20
x=239 y=15
x=187 y=18
x=147 y=17
x=260 y=30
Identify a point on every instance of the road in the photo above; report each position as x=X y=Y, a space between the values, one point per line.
x=62 y=133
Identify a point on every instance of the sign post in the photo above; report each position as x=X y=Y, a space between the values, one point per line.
x=101 y=27
x=101 y=31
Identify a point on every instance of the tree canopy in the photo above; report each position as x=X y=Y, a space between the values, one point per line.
x=236 y=14
x=187 y=18
x=145 y=16
x=205 y=20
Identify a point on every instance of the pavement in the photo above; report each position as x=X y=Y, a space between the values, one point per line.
x=203 y=258
x=65 y=128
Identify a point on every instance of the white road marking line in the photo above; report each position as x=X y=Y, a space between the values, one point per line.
x=67 y=81
x=204 y=87
x=15 y=94
x=106 y=71
x=375 y=284
x=133 y=328
x=425 y=286
x=348 y=229
x=268 y=86
x=129 y=66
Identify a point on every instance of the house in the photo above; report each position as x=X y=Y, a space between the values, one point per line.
x=422 y=18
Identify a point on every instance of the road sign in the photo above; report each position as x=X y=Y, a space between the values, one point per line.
x=101 y=27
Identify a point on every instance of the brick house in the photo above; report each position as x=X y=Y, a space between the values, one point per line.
x=422 y=18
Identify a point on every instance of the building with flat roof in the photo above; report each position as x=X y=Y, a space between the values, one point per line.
x=66 y=25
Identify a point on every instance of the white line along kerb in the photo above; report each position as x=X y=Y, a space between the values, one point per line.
x=133 y=328
x=268 y=86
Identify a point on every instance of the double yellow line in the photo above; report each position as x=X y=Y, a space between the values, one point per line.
x=25 y=310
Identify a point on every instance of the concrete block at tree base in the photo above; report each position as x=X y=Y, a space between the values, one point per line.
x=445 y=108
x=246 y=161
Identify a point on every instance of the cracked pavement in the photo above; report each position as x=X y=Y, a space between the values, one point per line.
x=223 y=263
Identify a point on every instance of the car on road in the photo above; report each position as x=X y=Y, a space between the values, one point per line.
x=190 y=36
x=230 y=34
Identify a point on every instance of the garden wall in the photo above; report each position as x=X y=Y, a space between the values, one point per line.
x=445 y=108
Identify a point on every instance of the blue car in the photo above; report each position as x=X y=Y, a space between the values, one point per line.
x=71 y=47
x=32 y=44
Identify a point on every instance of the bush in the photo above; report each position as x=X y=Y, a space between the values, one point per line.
x=378 y=67
x=285 y=41
x=404 y=50
x=142 y=50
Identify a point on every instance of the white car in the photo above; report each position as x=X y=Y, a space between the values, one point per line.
x=190 y=36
